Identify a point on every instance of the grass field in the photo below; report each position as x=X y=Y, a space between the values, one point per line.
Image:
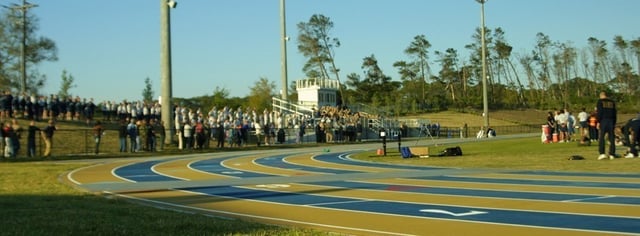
x=35 y=202
x=516 y=154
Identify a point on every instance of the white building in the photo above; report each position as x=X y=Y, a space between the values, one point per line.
x=316 y=93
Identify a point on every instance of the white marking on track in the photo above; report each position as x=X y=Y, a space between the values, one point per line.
x=438 y=211
x=331 y=203
x=589 y=198
x=273 y=185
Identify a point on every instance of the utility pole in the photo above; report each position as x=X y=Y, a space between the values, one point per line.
x=283 y=51
x=485 y=100
x=24 y=8
x=165 y=69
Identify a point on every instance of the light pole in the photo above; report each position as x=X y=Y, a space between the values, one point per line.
x=165 y=67
x=485 y=101
x=283 y=51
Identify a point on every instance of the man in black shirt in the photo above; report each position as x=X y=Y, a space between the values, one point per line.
x=31 y=138
x=606 y=114
x=122 y=135
x=47 y=135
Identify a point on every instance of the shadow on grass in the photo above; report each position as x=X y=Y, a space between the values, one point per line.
x=93 y=215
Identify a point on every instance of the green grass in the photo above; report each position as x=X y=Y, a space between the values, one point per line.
x=35 y=202
x=520 y=154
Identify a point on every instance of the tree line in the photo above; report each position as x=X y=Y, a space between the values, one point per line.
x=552 y=74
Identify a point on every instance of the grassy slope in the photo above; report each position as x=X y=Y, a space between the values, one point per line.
x=498 y=118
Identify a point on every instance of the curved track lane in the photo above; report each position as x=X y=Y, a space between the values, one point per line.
x=329 y=191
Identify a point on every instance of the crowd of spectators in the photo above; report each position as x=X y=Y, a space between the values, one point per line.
x=338 y=124
x=140 y=127
x=233 y=127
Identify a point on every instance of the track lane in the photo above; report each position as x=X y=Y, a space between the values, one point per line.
x=400 y=193
x=249 y=163
x=337 y=220
x=510 y=187
x=363 y=202
x=309 y=160
x=181 y=169
x=99 y=173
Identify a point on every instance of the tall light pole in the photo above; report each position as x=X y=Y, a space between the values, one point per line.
x=283 y=51
x=165 y=68
x=485 y=100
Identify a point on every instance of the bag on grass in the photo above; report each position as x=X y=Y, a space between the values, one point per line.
x=451 y=151
x=406 y=152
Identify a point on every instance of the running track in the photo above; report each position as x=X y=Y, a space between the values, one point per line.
x=329 y=191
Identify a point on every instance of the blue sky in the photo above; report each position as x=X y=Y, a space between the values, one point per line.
x=110 y=47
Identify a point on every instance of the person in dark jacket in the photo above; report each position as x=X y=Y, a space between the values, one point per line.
x=122 y=135
x=631 y=131
x=220 y=137
x=31 y=139
x=47 y=135
x=606 y=114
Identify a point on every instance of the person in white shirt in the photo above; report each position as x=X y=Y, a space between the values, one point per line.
x=563 y=122
x=583 y=119
x=188 y=134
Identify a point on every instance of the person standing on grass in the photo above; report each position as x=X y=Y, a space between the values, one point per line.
x=583 y=120
x=606 y=115
x=31 y=138
x=97 y=135
x=47 y=135
x=631 y=132
x=562 y=120
x=7 y=133
x=17 y=134
x=221 y=135
x=122 y=135
x=593 y=126
x=162 y=133
x=132 y=131
x=188 y=135
x=151 y=135
x=1 y=138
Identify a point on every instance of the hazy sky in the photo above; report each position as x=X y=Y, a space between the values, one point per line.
x=110 y=47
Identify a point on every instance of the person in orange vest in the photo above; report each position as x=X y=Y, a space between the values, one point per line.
x=593 y=126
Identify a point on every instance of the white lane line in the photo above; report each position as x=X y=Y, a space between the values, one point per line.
x=339 y=202
x=589 y=198
x=153 y=169
x=178 y=207
x=70 y=174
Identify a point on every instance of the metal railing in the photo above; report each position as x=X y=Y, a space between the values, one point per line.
x=81 y=142
x=282 y=105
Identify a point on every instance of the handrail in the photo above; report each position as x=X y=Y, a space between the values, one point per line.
x=283 y=105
